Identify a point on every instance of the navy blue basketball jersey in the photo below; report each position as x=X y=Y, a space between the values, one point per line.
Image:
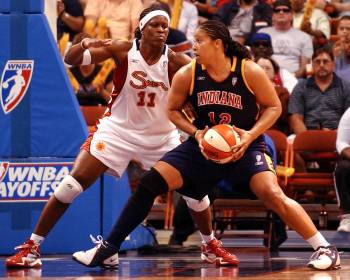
x=230 y=101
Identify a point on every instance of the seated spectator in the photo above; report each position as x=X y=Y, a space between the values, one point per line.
x=70 y=18
x=244 y=18
x=206 y=8
x=292 y=48
x=272 y=70
x=341 y=6
x=342 y=63
x=188 y=21
x=342 y=171
x=317 y=25
x=262 y=47
x=343 y=30
x=122 y=16
x=176 y=40
x=92 y=83
x=319 y=101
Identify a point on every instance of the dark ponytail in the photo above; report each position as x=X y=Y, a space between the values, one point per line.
x=217 y=30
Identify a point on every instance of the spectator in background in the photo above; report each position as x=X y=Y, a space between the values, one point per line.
x=292 y=48
x=317 y=26
x=177 y=40
x=262 y=47
x=342 y=171
x=343 y=30
x=272 y=71
x=319 y=101
x=188 y=21
x=122 y=16
x=342 y=62
x=206 y=8
x=341 y=6
x=244 y=18
x=70 y=18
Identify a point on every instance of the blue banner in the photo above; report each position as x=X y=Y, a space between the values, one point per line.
x=30 y=181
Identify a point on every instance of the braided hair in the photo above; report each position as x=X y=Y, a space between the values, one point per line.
x=153 y=7
x=217 y=30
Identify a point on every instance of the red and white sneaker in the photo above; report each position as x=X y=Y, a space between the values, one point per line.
x=28 y=256
x=214 y=252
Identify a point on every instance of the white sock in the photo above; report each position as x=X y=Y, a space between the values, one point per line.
x=37 y=238
x=317 y=240
x=207 y=238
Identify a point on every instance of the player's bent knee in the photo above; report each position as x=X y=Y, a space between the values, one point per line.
x=153 y=182
x=197 y=205
x=68 y=190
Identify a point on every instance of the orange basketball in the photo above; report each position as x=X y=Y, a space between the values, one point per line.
x=217 y=142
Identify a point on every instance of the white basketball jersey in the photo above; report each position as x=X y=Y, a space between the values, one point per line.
x=138 y=111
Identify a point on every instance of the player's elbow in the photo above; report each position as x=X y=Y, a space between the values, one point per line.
x=70 y=59
x=171 y=114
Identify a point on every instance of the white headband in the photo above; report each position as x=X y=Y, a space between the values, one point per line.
x=151 y=15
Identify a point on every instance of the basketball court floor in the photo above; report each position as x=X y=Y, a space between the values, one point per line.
x=255 y=264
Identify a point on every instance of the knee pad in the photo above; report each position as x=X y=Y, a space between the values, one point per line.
x=197 y=205
x=154 y=183
x=68 y=190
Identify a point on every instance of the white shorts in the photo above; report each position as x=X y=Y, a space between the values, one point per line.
x=116 y=153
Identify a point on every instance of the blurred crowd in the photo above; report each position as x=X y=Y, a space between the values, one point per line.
x=302 y=45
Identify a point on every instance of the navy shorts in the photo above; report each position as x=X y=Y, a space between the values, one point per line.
x=201 y=175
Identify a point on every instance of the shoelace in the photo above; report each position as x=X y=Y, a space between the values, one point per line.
x=26 y=248
x=220 y=250
x=98 y=241
x=320 y=252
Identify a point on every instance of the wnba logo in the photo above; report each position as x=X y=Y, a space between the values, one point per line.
x=15 y=80
x=3 y=169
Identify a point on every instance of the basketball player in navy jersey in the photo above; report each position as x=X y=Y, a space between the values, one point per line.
x=224 y=86
x=136 y=121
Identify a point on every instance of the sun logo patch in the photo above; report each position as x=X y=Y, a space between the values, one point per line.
x=100 y=146
x=15 y=81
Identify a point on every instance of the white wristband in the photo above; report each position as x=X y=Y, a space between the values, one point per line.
x=86 y=57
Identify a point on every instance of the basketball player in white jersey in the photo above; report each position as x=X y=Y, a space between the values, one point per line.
x=135 y=126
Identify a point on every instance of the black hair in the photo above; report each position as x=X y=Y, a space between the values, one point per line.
x=217 y=30
x=346 y=17
x=153 y=7
x=321 y=50
x=275 y=65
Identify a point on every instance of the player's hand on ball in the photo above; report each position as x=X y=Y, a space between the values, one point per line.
x=239 y=149
x=199 y=137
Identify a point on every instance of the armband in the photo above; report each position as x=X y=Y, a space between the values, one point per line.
x=86 y=57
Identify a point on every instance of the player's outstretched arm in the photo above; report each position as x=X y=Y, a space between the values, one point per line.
x=91 y=51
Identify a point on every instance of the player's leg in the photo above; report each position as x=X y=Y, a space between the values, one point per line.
x=157 y=181
x=86 y=170
x=212 y=250
x=266 y=188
